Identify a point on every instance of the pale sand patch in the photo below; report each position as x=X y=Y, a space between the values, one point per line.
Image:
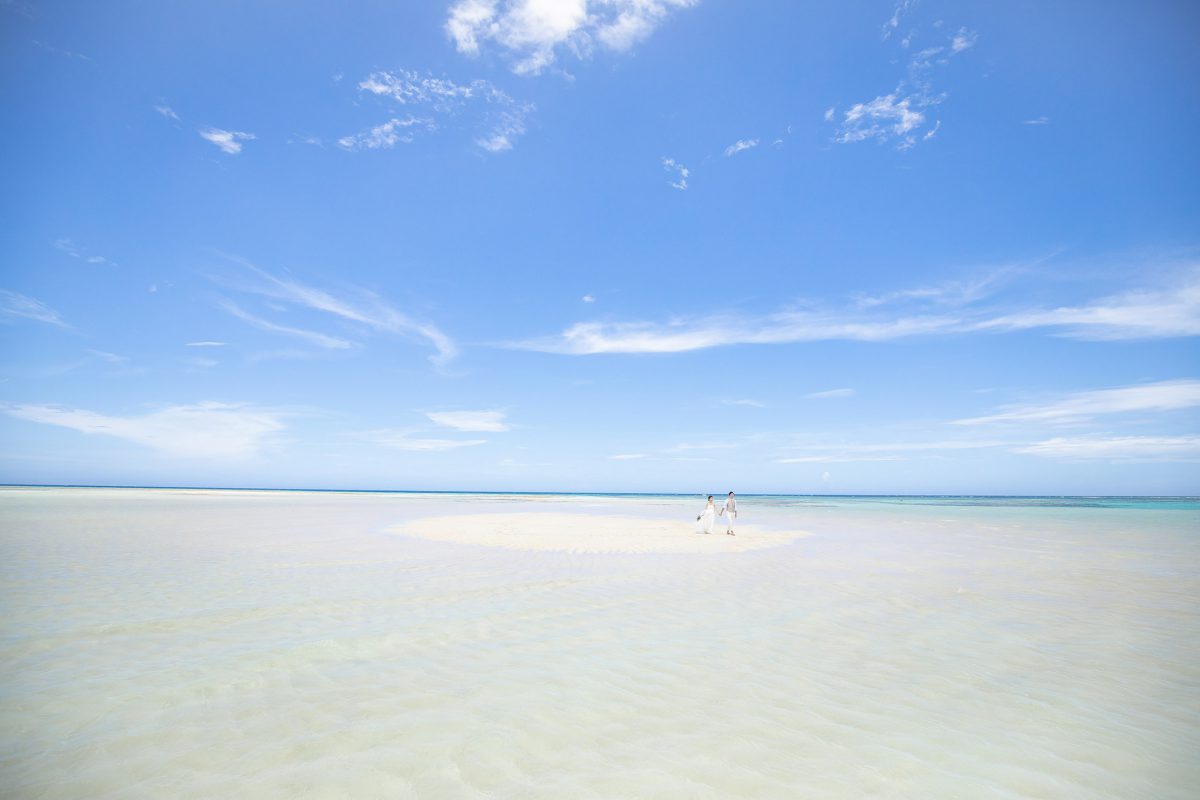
x=590 y=533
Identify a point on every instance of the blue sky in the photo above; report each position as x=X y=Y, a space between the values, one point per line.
x=634 y=245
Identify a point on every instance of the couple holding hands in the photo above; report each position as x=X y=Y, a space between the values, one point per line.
x=705 y=522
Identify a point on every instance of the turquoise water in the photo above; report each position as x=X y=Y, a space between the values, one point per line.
x=282 y=644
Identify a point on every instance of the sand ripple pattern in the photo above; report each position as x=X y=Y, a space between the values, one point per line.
x=159 y=644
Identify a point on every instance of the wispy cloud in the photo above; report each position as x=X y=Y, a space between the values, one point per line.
x=482 y=421
x=203 y=430
x=1134 y=315
x=901 y=116
x=740 y=145
x=751 y=403
x=1123 y=448
x=167 y=112
x=230 y=142
x=818 y=453
x=314 y=337
x=498 y=119
x=60 y=51
x=205 y=344
x=1086 y=406
x=679 y=171
x=628 y=456
x=368 y=310
x=404 y=440
x=963 y=40
x=76 y=251
x=830 y=394
x=1138 y=314
x=387 y=135
x=893 y=23
x=587 y=298
x=532 y=32
x=1037 y=121
x=15 y=304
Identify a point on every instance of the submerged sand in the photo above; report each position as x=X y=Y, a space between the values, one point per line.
x=173 y=644
x=591 y=533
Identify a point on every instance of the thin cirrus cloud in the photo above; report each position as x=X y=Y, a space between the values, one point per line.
x=1118 y=448
x=498 y=119
x=20 y=306
x=1086 y=406
x=533 y=32
x=740 y=145
x=202 y=430
x=368 y=310
x=319 y=339
x=898 y=451
x=404 y=440
x=829 y=394
x=1141 y=314
x=481 y=421
x=229 y=142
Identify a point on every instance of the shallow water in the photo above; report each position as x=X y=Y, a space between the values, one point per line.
x=187 y=644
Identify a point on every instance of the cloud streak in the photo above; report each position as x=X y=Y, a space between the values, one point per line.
x=203 y=430
x=1134 y=315
x=15 y=304
x=320 y=339
x=369 y=310
x=229 y=142
x=481 y=421
x=1086 y=406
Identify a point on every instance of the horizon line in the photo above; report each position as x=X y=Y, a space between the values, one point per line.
x=588 y=493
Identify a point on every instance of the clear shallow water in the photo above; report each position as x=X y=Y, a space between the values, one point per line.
x=161 y=643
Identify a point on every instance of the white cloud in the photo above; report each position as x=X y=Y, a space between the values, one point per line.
x=534 y=31
x=679 y=170
x=1134 y=315
x=825 y=476
x=1037 y=121
x=387 y=135
x=500 y=118
x=900 y=115
x=963 y=40
x=203 y=430
x=587 y=298
x=628 y=456
x=403 y=440
x=483 y=421
x=320 y=339
x=740 y=145
x=897 y=451
x=884 y=118
x=15 y=304
x=205 y=344
x=830 y=394
x=1131 y=448
x=1139 y=314
x=167 y=112
x=230 y=142
x=1084 y=406
x=751 y=403
x=902 y=8
x=111 y=358
x=370 y=310
x=829 y=114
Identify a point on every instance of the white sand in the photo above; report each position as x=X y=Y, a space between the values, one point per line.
x=591 y=533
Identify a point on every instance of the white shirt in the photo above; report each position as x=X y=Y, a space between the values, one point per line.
x=730 y=506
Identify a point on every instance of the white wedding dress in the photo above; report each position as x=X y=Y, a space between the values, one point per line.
x=706 y=521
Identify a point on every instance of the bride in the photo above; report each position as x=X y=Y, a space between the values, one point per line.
x=705 y=522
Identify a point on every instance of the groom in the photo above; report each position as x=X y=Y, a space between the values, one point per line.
x=729 y=511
